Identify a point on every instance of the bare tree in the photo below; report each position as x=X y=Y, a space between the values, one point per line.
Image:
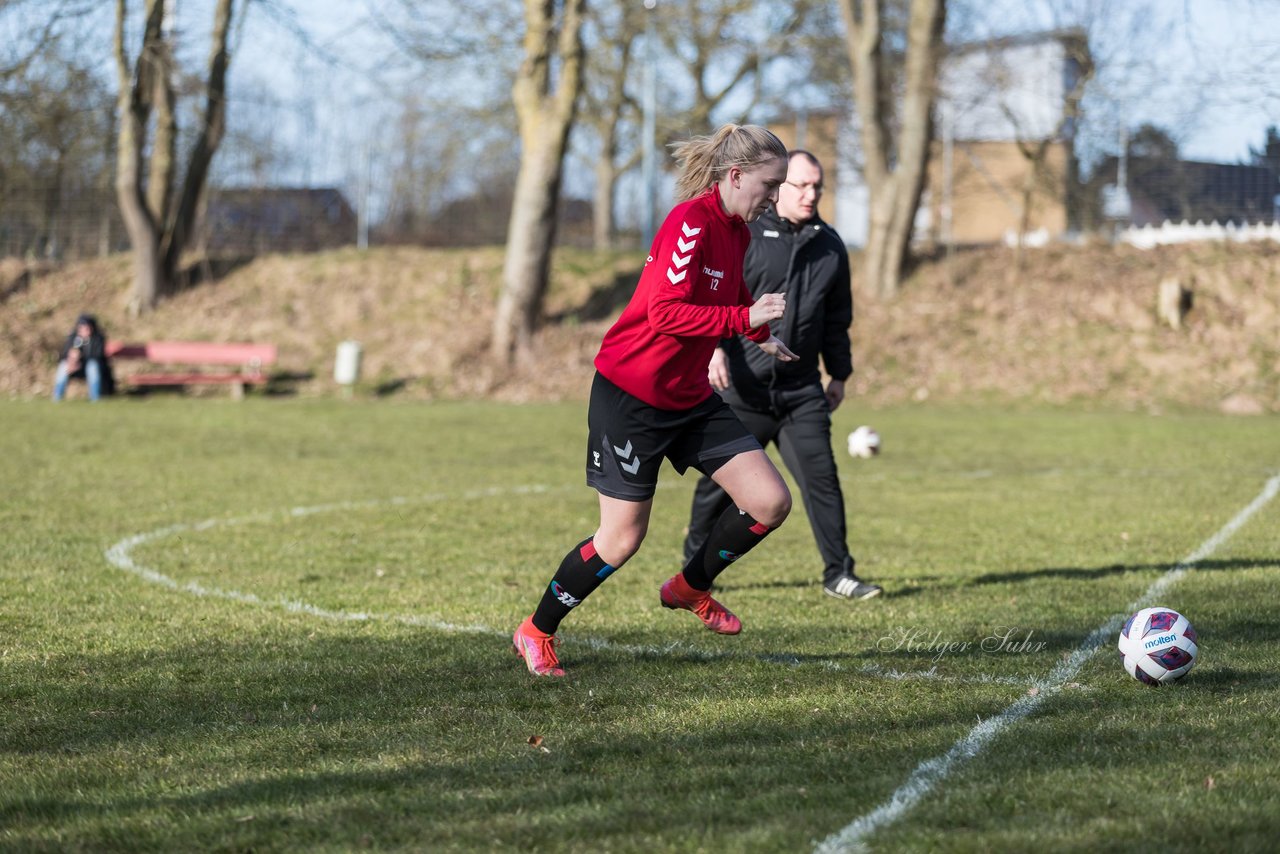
x=55 y=115
x=1035 y=152
x=27 y=31
x=1037 y=134
x=545 y=93
x=159 y=213
x=724 y=47
x=712 y=43
x=608 y=103
x=714 y=58
x=895 y=154
x=1268 y=154
x=713 y=52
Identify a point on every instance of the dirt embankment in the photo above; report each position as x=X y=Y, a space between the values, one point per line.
x=1075 y=325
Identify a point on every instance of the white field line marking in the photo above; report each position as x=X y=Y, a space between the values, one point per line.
x=929 y=773
x=120 y=556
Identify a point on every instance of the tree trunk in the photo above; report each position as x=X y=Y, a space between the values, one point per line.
x=602 y=208
x=1036 y=154
x=182 y=223
x=894 y=170
x=527 y=267
x=545 y=116
x=135 y=112
x=606 y=112
x=1035 y=161
x=157 y=220
x=163 y=162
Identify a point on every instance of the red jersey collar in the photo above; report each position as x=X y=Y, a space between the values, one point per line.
x=718 y=206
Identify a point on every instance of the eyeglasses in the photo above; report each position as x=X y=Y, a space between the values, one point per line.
x=804 y=188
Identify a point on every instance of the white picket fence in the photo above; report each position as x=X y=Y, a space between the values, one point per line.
x=1149 y=236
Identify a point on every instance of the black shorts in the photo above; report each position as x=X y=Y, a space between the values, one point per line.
x=629 y=440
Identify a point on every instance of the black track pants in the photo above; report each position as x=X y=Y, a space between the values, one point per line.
x=799 y=421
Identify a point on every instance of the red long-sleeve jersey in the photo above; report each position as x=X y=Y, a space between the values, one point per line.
x=690 y=295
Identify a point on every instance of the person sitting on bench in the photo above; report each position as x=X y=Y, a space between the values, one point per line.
x=85 y=355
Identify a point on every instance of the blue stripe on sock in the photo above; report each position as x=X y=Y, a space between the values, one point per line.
x=605 y=572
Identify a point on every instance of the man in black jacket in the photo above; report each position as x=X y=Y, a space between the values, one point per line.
x=84 y=354
x=793 y=250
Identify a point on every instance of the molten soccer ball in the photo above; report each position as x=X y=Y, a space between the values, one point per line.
x=1158 y=646
x=864 y=442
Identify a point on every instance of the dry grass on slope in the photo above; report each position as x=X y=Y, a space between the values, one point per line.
x=1078 y=325
x=421 y=316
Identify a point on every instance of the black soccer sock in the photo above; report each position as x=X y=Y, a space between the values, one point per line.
x=581 y=571
x=733 y=535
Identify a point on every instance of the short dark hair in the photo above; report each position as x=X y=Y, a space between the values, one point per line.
x=807 y=155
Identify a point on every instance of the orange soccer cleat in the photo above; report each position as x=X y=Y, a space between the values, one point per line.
x=537 y=649
x=677 y=593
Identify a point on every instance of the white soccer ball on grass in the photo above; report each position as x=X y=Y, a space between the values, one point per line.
x=864 y=442
x=1158 y=646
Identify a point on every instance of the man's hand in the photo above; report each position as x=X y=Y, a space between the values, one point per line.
x=718 y=370
x=768 y=307
x=778 y=350
x=835 y=394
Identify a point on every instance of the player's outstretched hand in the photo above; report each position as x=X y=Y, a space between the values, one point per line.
x=778 y=350
x=768 y=307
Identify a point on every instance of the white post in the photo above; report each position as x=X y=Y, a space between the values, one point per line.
x=346 y=366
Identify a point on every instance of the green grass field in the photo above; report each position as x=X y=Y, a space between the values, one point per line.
x=284 y=625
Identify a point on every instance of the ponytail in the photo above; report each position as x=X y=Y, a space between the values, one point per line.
x=704 y=160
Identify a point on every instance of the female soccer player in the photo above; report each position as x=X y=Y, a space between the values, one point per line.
x=651 y=399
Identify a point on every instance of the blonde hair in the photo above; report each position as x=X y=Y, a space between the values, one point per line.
x=704 y=160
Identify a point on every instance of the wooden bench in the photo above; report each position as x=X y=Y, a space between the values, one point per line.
x=249 y=361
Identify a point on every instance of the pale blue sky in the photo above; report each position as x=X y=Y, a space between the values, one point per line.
x=1212 y=78
x=1235 y=45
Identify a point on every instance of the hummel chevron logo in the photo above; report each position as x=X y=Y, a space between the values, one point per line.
x=681 y=259
x=632 y=466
